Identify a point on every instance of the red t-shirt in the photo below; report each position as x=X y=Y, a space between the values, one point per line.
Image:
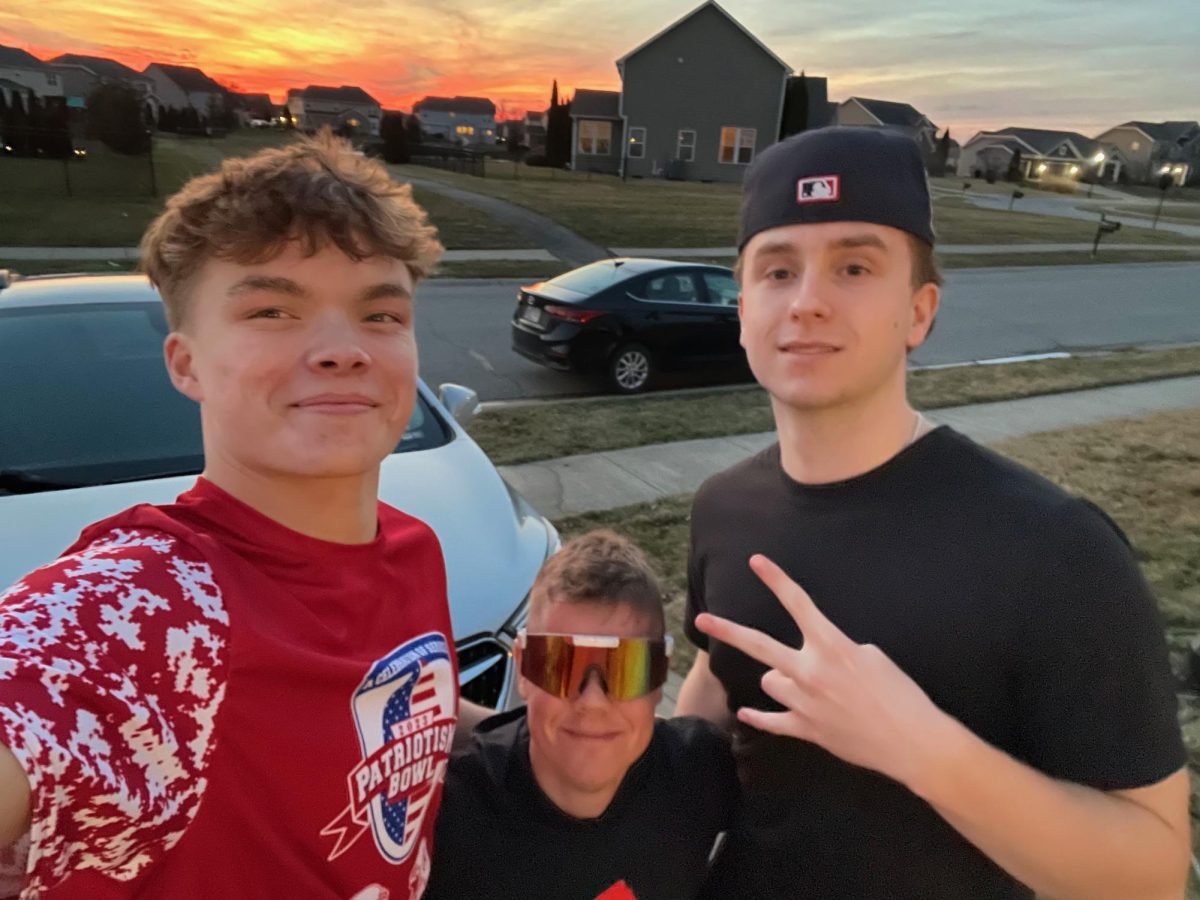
x=208 y=704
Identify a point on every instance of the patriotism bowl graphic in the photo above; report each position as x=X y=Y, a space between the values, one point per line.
x=404 y=711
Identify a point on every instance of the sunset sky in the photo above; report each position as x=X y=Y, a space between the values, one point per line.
x=1074 y=64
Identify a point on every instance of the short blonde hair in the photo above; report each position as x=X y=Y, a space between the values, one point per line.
x=600 y=567
x=316 y=191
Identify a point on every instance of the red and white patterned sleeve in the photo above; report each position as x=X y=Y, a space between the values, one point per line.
x=112 y=669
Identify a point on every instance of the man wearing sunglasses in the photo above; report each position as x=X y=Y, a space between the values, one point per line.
x=582 y=794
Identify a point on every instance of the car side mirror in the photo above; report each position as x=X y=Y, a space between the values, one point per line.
x=461 y=402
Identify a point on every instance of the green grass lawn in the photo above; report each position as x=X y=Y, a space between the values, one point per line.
x=515 y=434
x=112 y=201
x=658 y=213
x=463 y=227
x=1144 y=472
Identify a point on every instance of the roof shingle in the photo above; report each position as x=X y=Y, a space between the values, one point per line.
x=105 y=68
x=589 y=104
x=190 y=79
x=889 y=112
x=469 y=105
x=16 y=58
x=343 y=94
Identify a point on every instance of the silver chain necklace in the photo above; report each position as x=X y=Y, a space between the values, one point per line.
x=921 y=420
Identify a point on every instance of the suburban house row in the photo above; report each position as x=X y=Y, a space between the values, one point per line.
x=702 y=97
x=698 y=101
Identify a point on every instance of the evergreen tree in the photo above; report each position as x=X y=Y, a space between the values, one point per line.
x=558 y=130
x=114 y=115
x=393 y=131
x=16 y=126
x=412 y=125
x=943 y=153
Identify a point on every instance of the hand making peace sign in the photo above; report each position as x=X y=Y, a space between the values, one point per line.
x=848 y=698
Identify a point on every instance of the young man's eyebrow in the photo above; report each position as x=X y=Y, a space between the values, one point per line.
x=861 y=240
x=275 y=283
x=388 y=290
x=776 y=248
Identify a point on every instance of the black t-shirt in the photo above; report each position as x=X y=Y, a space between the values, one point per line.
x=1019 y=609
x=499 y=836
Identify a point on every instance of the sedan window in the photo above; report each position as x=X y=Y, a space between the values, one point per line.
x=722 y=289
x=87 y=400
x=673 y=288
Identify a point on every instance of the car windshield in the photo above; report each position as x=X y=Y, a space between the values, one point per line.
x=87 y=400
x=591 y=278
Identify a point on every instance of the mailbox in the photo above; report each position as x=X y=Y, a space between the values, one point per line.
x=1103 y=227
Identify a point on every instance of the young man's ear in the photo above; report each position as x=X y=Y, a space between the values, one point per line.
x=181 y=366
x=925 y=304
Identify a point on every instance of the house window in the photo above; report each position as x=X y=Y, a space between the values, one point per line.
x=464 y=129
x=637 y=143
x=1135 y=146
x=51 y=79
x=737 y=145
x=595 y=138
x=685 y=145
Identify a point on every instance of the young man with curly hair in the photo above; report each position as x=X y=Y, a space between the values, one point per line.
x=250 y=692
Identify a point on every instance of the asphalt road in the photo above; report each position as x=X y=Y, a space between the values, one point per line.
x=463 y=326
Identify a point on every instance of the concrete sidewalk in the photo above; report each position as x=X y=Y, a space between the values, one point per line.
x=942 y=249
x=131 y=253
x=598 y=481
x=12 y=254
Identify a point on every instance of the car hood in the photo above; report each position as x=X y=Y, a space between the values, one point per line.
x=492 y=540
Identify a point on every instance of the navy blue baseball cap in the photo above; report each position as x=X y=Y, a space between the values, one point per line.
x=838 y=174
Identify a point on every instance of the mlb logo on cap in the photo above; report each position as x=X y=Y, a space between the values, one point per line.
x=821 y=189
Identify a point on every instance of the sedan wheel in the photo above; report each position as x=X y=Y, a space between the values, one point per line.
x=630 y=368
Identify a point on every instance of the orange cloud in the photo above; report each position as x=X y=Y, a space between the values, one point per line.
x=397 y=52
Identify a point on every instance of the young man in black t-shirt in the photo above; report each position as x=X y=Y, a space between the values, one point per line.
x=970 y=694
x=582 y=794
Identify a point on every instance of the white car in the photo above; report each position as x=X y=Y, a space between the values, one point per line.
x=90 y=425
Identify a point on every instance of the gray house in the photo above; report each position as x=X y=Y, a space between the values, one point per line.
x=346 y=109
x=184 y=86
x=458 y=120
x=698 y=101
x=1150 y=150
x=82 y=74
x=903 y=118
x=22 y=68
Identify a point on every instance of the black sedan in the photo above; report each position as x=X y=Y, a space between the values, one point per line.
x=629 y=318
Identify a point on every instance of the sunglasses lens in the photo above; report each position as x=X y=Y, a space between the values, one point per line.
x=546 y=661
x=561 y=665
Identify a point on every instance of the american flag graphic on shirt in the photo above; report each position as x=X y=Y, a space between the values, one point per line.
x=404 y=711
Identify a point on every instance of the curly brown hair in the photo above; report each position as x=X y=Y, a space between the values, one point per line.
x=600 y=567
x=317 y=191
